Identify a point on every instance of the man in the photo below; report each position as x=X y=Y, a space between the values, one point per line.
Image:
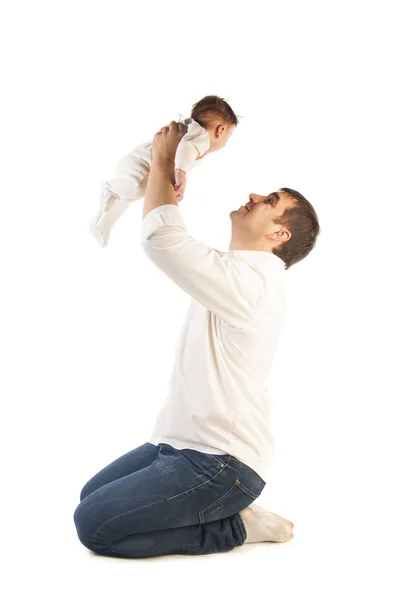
x=190 y=490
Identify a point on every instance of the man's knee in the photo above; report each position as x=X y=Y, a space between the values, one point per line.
x=86 y=490
x=86 y=527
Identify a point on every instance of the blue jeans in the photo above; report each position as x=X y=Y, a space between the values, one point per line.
x=157 y=500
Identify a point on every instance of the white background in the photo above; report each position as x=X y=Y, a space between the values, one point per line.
x=87 y=334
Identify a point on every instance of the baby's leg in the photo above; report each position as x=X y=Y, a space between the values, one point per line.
x=127 y=185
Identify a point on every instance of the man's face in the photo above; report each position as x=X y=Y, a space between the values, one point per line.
x=256 y=219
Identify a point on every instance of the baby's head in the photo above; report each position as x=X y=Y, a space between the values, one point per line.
x=216 y=116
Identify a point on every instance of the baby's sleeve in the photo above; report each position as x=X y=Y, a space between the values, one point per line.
x=186 y=155
x=194 y=144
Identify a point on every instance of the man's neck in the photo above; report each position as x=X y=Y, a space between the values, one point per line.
x=245 y=245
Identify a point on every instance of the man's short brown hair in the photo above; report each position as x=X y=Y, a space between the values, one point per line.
x=302 y=222
x=212 y=107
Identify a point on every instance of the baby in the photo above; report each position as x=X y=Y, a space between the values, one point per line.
x=210 y=126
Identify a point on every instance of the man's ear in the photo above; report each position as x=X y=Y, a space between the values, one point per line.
x=282 y=235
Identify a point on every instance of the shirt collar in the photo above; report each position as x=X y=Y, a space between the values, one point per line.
x=259 y=257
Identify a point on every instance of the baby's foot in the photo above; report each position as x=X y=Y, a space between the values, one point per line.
x=264 y=526
x=112 y=208
x=101 y=235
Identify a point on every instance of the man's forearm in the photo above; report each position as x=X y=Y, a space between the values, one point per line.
x=160 y=187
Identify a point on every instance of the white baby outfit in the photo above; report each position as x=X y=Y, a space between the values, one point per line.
x=131 y=176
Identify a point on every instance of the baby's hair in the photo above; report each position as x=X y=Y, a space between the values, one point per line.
x=210 y=108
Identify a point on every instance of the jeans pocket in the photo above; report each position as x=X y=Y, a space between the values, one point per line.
x=235 y=499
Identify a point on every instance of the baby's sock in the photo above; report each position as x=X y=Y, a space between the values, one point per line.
x=264 y=526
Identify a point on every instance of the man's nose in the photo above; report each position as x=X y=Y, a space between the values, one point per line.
x=255 y=198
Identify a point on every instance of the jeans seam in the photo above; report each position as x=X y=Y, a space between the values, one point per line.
x=246 y=490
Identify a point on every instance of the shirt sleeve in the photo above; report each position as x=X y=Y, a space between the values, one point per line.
x=229 y=288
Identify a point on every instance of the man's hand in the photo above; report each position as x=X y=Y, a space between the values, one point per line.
x=180 y=184
x=166 y=141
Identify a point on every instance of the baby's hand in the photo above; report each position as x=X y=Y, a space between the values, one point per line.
x=180 y=184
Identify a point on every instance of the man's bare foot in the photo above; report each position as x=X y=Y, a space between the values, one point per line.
x=264 y=526
x=165 y=142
